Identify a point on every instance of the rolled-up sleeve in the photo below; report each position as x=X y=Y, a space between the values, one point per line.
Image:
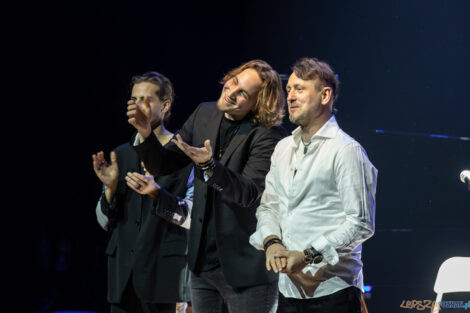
x=356 y=180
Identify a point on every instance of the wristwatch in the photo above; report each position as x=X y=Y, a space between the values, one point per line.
x=312 y=256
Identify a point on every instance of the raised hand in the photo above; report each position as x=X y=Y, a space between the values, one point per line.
x=107 y=173
x=139 y=116
x=198 y=155
x=143 y=184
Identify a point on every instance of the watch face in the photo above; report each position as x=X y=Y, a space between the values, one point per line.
x=317 y=259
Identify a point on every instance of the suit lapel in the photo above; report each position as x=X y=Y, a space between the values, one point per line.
x=244 y=130
x=212 y=128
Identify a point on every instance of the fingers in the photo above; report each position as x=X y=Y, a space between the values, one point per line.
x=131 y=113
x=286 y=266
x=276 y=260
x=98 y=161
x=113 y=158
x=94 y=157
x=98 y=157
x=135 y=182
x=207 y=145
x=278 y=263
x=95 y=163
x=131 y=184
x=283 y=262
x=131 y=110
x=183 y=146
x=138 y=178
x=134 y=109
x=275 y=263
x=180 y=143
x=272 y=265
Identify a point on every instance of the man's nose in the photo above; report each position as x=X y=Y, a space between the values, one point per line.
x=232 y=91
x=142 y=101
x=290 y=95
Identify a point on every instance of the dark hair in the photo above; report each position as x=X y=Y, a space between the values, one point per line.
x=312 y=68
x=269 y=107
x=165 y=87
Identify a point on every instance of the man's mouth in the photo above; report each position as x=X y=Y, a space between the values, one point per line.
x=228 y=102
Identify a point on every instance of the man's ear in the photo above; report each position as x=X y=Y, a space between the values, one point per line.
x=166 y=106
x=326 y=95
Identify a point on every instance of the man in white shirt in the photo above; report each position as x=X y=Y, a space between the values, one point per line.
x=319 y=202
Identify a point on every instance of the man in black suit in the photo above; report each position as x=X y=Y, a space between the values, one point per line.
x=230 y=142
x=146 y=253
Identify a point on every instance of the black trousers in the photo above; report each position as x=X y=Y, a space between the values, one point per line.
x=130 y=303
x=347 y=300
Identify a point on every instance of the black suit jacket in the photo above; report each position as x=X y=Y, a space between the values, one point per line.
x=238 y=181
x=142 y=243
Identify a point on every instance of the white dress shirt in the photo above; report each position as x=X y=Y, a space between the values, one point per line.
x=325 y=199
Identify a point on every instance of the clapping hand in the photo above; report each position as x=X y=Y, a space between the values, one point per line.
x=143 y=184
x=107 y=173
x=139 y=116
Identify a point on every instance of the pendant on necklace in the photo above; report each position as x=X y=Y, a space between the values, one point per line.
x=305 y=149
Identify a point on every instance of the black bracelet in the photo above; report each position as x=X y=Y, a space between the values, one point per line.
x=271 y=242
x=205 y=163
x=209 y=165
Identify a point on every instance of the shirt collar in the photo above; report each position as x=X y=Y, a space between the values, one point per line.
x=328 y=130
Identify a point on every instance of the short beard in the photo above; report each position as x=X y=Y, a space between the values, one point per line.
x=298 y=120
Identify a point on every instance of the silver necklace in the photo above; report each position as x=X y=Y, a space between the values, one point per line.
x=305 y=145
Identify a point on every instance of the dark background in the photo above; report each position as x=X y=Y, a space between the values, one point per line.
x=404 y=68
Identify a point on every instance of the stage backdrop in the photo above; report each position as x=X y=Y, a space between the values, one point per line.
x=404 y=68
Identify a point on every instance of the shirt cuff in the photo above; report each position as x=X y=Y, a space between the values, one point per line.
x=257 y=238
x=100 y=217
x=163 y=205
x=324 y=247
x=138 y=139
x=206 y=176
x=106 y=207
